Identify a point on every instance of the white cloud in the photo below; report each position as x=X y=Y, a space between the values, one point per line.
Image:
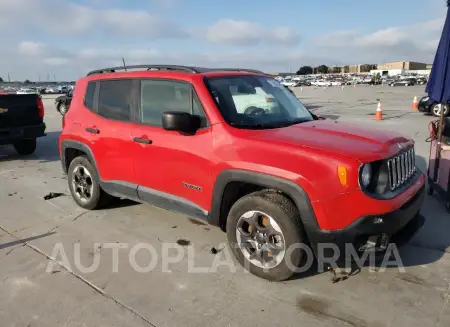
x=243 y=33
x=30 y=48
x=56 y=61
x=60 y=17
x=416 y=42
x=68 y=39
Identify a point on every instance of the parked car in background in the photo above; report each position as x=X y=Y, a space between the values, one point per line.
x=367 y=80
x=421 y=80
x=321 y=83
x=291 y=83
x=403 y=82
x=52 y=90
x=433 y=108
x=337 y=82
x=21 y=121
x=27 y=91
x=304 y=83
x=62 y=103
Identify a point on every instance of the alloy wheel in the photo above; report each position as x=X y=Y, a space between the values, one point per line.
x=437 y=109
x=260 y=239
x=82 y=183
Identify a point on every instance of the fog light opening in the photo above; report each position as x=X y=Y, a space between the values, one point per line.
x=378 y=220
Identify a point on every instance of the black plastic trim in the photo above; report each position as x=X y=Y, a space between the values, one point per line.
x=69 y=144
x=293 y=190
x=389 y=195
x=171 y=202
x=22 y=132
x=394 y=223
x=121 y=189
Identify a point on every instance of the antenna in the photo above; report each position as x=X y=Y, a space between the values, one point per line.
x=124 y=66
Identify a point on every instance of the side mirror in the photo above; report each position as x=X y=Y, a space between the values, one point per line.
x=180 y=121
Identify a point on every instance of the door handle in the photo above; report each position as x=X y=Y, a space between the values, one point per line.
x=92 y=130
x=142 y=140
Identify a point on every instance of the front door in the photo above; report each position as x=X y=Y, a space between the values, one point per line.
x=173 y=169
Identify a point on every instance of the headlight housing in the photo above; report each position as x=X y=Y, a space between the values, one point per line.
x=365 y=175
x=425 y=99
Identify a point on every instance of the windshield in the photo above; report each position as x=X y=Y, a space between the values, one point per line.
x=256 y=102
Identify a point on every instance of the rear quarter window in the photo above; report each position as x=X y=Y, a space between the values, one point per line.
x=89 y=95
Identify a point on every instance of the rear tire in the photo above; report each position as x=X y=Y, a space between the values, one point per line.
x=84 y=184
x=283 y=223
x=62 y=108
x=25 y=147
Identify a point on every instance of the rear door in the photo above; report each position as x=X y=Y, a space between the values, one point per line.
x=19 y=110
x=108 y=129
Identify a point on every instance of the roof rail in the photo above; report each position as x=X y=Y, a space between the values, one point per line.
x=148 y=67
x=187 y=69
x=238 y=70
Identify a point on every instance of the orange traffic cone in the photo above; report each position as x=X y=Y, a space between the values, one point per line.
x=415 y=104
x=379 y=112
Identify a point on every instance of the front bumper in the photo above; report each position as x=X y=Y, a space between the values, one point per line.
x=397 y=226
x=424 y=106
x=14 y=134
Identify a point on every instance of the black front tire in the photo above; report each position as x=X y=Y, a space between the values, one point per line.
x=98 y=198
x=286 y=215
x=25 y=147
x=434 y=113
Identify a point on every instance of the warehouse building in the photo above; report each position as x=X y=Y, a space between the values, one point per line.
x=406 y=65
x=401 y=67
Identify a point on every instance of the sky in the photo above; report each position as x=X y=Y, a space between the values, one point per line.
x=64 y=39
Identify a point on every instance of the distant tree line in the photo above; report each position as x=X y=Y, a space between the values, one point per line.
x=324 y=69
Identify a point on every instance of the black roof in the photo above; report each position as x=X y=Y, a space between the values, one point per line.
x=187 y=69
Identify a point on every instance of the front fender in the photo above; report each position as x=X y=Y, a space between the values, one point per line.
x=293 y=190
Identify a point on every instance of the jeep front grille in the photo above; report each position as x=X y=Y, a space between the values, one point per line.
x=401 y=168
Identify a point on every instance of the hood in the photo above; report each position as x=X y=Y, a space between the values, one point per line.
x=360 y=143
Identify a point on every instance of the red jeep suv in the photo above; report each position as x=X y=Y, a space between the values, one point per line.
x=236 y=149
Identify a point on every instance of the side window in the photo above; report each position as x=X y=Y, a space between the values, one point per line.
x=197 y=109
x=115 y=99
x=159 y=96
x=89 y=96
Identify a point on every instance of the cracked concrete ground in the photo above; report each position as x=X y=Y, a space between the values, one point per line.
x=36 y=291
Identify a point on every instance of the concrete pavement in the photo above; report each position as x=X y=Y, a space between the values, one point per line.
x=37 y=292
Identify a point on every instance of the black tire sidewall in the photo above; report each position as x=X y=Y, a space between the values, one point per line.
x=291 y=232
x=62 y=108
x=94 y=201
x=26 y=146
x=446 y=110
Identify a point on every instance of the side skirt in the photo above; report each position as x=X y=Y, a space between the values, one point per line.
x=157 y=198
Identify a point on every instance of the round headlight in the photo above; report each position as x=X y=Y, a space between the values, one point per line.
x=366 y=175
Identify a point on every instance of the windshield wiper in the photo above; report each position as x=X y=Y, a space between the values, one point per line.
x=270 y=125
x=293 y=122
x=253 y=126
